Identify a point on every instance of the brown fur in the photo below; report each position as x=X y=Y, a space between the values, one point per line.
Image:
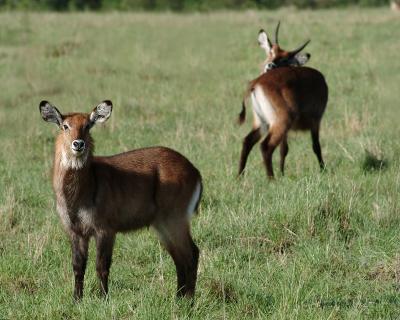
x=120 y=193
x=276 y=55
x=298 y=96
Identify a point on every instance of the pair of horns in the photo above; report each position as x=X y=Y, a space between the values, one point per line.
x=292 y=53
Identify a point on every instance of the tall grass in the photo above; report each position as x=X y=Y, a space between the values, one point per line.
x=307 y=246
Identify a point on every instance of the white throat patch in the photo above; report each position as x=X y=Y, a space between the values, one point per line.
x=72 y=162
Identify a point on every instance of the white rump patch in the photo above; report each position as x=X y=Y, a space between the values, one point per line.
x=194 y=200
x=263 y=110
x=72 y=162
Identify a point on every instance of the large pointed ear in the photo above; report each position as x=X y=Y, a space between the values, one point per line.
x=101 y=113
x=263 y=41
x=301 y=58
x=50 y=113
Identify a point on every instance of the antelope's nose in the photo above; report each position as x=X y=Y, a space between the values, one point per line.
x=78 y=145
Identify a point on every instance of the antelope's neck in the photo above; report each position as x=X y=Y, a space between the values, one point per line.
x=73 y=181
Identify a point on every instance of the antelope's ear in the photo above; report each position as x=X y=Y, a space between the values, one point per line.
x=101 y=113
x=50 y=113
x=264 y=42
x=302 y=58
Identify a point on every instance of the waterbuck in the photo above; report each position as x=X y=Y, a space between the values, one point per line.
x=395 y=5
x=283 y=98
x=100 y=196
x=277 y=57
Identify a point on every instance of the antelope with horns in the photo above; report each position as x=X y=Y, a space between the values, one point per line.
x=100 y=196
x=277 y=57
x=285 y=98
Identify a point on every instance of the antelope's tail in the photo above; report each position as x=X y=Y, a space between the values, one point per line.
x=193 y=207
x=242 y=114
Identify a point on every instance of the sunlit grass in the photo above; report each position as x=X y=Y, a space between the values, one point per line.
x=309 y=245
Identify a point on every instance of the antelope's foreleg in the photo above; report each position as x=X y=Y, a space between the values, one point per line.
x=79 y=247
x=316 y=146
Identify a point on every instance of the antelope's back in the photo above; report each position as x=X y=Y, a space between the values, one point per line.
x=167 y=164
x=303 y=89
x=135 y=187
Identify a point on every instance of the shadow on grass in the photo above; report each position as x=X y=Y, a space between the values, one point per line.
x=223 y=291
x=374 y=161
x=332 y=210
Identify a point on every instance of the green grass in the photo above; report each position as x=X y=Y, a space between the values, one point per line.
x=309 y=245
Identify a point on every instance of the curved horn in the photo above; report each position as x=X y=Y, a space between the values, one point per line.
x=277 y=32
x=296 y=51
x=269 y=42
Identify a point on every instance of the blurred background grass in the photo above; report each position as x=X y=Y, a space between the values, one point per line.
x=180 y=5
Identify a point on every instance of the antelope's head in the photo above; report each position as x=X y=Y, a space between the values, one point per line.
x=74 y=141
x=276 y=56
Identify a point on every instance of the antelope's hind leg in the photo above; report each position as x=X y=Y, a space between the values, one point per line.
x=284 y=149
x=104 y=249
x=177 y=240
x=275 y=136
x=248 y=143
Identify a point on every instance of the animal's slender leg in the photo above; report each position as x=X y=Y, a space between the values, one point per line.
x=248 y=143
x=273 y=139
x=176 y=238
x=316 y=146
x=284 y=149
x=104 y=248
x=79 y=247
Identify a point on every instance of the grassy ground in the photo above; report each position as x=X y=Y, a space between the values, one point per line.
x=307 y=246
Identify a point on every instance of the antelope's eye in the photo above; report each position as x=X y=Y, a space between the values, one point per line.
x=65 y=127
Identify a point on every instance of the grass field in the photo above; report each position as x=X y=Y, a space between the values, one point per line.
x=309 y=245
